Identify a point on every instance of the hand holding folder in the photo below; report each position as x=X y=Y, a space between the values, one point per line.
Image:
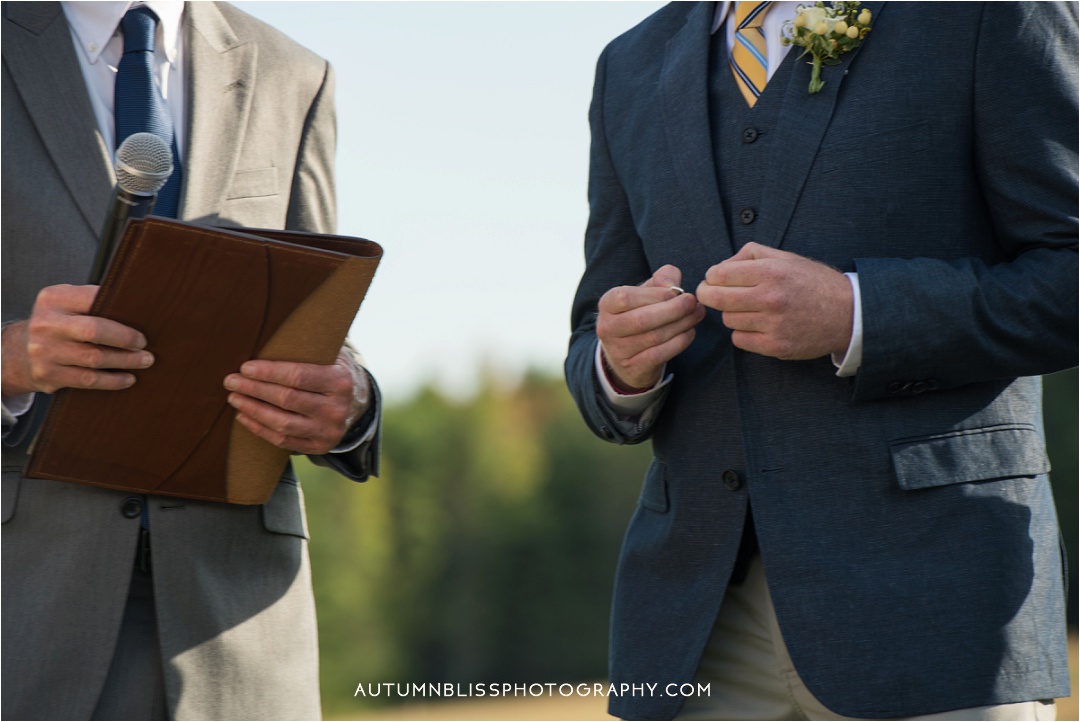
x=207 y=300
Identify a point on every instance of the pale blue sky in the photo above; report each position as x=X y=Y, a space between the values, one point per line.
x=463 y=146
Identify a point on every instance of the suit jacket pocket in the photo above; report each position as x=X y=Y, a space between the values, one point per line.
x=994 y=452
x=875 y=148
x=284 y=512
x=253 y=183
x=654 y=492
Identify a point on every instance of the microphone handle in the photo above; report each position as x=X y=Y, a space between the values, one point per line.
x=125 y=205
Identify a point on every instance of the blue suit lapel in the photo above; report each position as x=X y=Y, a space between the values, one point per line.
x=684 y=90
x=803 y=120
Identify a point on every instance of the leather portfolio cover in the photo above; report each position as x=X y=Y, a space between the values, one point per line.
x=207 y=300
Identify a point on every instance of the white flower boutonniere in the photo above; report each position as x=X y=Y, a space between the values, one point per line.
x=826 y=32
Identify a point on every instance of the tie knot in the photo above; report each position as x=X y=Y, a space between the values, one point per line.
x=750 y=14
x=139 y=25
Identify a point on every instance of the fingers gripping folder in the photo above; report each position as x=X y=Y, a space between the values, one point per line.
x=207 y=300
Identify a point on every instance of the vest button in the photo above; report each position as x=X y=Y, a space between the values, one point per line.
x=131 y=508
x=731 y=479
x=750 y=135
x=747 y=216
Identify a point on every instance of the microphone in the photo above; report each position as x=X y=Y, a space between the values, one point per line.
x=143 y=166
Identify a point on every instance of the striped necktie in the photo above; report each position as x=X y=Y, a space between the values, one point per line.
x=138 y=105
x=749 y=58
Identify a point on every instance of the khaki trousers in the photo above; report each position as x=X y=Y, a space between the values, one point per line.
x=752 y=677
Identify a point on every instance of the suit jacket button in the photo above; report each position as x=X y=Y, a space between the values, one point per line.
x=931 y=384
x=919 y=386
x=747 y=216
x=131 y=508
x=731 y=479
x=750 y=135
x=895 y=387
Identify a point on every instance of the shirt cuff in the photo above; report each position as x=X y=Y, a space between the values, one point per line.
x=364 y=428
x=629 y=404
x=849 y=365
x=16 y=406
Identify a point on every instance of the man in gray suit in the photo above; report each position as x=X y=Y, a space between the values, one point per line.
x=119 y=606
x=848 y=513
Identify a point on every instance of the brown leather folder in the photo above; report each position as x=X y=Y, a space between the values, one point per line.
x=207 y=300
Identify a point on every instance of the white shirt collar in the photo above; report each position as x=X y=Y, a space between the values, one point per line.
x=721 y=13
x=94 y=23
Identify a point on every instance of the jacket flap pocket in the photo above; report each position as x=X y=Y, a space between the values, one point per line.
x=283 y=513
x=998 y=452
x=654 y=492
x=253 y=183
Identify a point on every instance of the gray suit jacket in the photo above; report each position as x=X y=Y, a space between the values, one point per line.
x=232 y=584
x=904 y=516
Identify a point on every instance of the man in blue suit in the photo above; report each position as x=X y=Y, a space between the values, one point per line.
x=848 y=513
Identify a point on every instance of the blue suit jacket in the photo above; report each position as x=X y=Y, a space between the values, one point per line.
x=904 y=517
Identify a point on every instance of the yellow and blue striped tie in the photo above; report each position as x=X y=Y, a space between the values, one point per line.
x=749 y=58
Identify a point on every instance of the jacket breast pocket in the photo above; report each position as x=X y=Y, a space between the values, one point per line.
x=253 y=184
x=986 y=454
x=654 y=492
x=284 y=512
x=880 y=147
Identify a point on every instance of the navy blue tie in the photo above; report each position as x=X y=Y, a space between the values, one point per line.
x=138 y=106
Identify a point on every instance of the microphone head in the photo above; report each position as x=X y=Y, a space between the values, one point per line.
x=143 y=164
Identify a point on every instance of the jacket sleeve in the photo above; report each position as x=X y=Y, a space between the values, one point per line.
x=938 y=324
x=613 y=257
x=313 y=207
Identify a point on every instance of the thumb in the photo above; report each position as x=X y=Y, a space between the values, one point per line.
x=665 y=276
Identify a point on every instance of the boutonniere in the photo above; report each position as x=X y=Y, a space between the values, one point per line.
x=826 y=32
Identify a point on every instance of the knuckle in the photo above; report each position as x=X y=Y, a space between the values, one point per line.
x=289 y=427
x=773 y=300
x=295 y=378
x=87 y=379
x=49 y=295
x=652 y=338
x=36 y=351
x=603 y=326
x=84 y=329
x=38 y=325
x=343 y=383
x=288 y=398
x=94 y=357
x=637 y=326
x=620 y=296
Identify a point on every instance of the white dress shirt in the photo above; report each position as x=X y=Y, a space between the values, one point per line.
x=772 y=27
x=95 y=31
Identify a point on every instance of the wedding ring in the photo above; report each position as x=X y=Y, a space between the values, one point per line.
x=678 y=291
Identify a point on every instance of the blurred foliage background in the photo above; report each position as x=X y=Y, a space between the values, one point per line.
x=486 y=551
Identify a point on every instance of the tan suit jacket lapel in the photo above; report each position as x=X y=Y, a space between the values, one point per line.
x=220 y=84
x=40 y=56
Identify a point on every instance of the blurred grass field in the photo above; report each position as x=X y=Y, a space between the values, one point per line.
x=592 y=708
